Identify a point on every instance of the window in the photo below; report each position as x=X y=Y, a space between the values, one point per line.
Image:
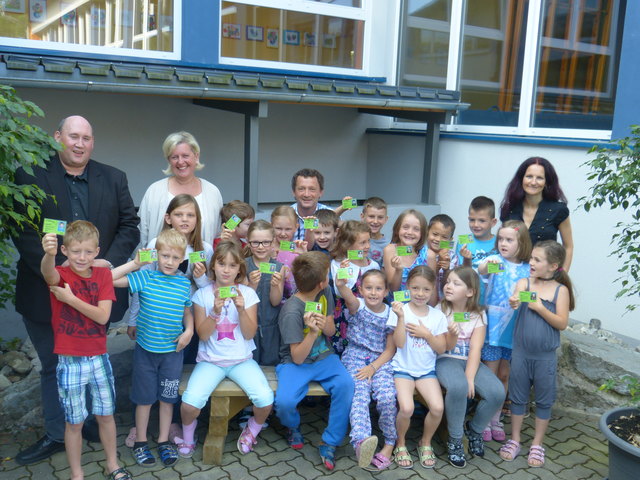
x=524 y=66
x=123 y=27
x=309 y=35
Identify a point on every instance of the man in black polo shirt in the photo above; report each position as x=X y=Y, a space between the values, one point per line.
x=84 y=190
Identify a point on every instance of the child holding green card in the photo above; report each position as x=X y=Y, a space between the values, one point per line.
x=535 y=340
x=236 y=217
x=285 y=221
x=266 y=276
x=505 y=269
x=409 y=230
x=459 y=369
x=350 y=261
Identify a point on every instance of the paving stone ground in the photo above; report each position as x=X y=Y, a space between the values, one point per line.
x=575 y=450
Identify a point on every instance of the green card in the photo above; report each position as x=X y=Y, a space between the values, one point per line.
x=266 y=267
x=401 y=296
x=289 y=246
x=528 y=297
x=148 y=255
x=404 y=251
x=311 y=223
x=495 y=267
x=355 y=254
x=349 y=204
x=54 y=226
x=445 y=244
x=195 y=257
x=461 y=317
x=463 y=239
x=228 y=292
x=346 y=273
x=313 y=307
x=233 y=222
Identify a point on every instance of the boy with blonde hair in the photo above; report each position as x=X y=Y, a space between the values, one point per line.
x=244 y=213
x=374 y=214
x=164 y=329
x=305 y=321
x=81 y=299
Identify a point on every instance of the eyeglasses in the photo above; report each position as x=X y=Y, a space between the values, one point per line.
x=261 y=244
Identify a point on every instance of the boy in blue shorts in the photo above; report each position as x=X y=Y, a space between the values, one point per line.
x=306 y=323
x=81 y=298
x=482 y=218
x=164 y=329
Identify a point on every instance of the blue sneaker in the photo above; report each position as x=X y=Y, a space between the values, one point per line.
x=295 y=438
x=328 y=455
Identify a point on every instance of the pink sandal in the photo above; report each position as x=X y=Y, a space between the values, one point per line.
x=536 y=454
x=509 y=451
x=186 y=450
x=379 y=462
x=497 y=432
x=246 y=441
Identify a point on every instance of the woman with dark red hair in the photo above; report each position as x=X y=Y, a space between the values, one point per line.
x=534 y=196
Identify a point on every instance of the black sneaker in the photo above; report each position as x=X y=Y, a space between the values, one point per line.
x=455 y=453
x=476 y=444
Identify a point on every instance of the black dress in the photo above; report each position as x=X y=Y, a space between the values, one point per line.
x=545 y=223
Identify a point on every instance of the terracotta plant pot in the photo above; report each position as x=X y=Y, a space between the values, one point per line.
x=624 y=458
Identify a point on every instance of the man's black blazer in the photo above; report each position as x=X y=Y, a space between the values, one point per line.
x=111 y=210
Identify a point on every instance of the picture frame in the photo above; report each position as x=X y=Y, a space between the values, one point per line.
x=329 y=40
x=291 y=37
x=37 y=11
x=273 y=37
x=255 y=33
x=309 y=39
x=14 y=6
x=232 y=30
x=68 y=19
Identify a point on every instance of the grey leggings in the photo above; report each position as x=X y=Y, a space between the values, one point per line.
x=451 y=376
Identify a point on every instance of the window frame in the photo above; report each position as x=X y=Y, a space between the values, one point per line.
x=363 y=13
x=529 y=89
x=74 y=48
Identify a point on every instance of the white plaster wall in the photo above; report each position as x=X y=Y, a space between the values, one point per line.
x=471 y=168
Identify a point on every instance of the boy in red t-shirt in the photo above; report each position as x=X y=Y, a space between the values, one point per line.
x=81 y=298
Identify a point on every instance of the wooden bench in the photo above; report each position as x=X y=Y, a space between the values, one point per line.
x=226 y=401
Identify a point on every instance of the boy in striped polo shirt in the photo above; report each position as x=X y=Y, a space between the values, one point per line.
x=165 y=328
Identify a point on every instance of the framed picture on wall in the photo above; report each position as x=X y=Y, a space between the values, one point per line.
x=231 y=30
x=329 y=41
x=273 y=37
x=254 y=33
x=14 y=6
x=292 y=37
x=309 y=39
x=69 y=18
x=37 y=10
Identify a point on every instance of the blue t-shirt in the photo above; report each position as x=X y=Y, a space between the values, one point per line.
x=481 y=249
x=162 y=302
x=500 y=315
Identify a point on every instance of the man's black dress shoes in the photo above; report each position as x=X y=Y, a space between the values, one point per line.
x=43 y=448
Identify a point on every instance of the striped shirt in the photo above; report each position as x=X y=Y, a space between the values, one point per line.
x=162 y=302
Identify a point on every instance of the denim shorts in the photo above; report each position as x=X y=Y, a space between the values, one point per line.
x=74 y=376
x=491 y=353
x=408 y=376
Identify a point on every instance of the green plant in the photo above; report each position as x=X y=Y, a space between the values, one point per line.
x=626 y=383
x=615 y=173
x=22 y=145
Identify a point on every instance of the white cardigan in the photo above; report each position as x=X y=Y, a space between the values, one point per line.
x=154 y=206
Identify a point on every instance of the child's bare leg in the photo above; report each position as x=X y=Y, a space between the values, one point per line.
x=188 y=413
x=142 y=422
x=165 y=414
x=430 y=390
x=107 y=429
x=504 y=368
x=73 y=447
x=387 y=450
x=541 y=430
x=261 y=414
x=516 y=426
x=404 y=389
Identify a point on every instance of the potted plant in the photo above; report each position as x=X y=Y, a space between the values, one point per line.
x=22 y=145
x=615 y=173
